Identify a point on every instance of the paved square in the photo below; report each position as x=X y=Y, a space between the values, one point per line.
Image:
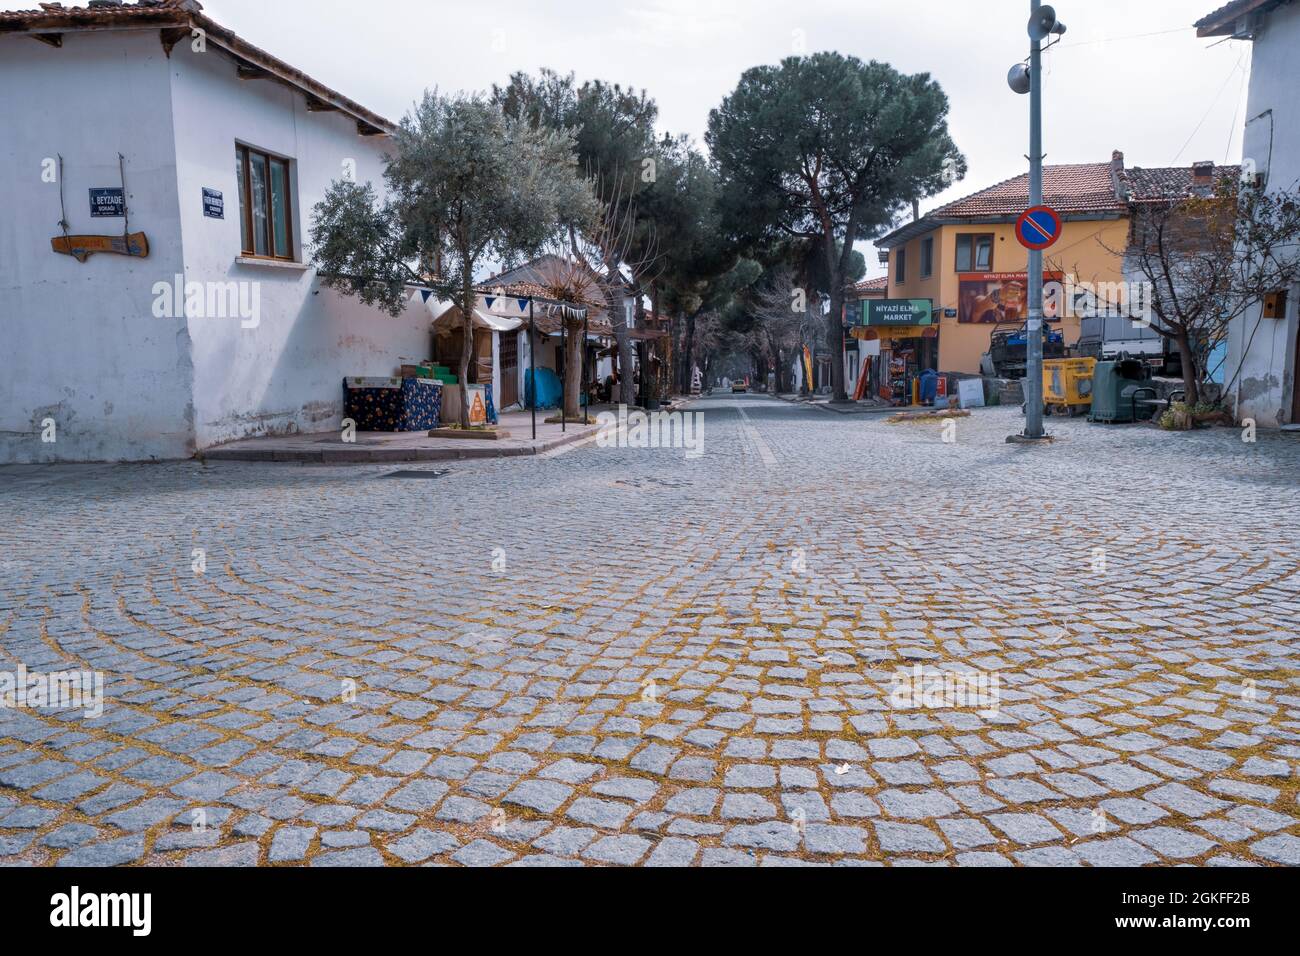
x=622 y=656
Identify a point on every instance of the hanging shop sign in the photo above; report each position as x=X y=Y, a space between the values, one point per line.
x=81 y=247
x=107 y=202
x=897 y=312
x=214 y=204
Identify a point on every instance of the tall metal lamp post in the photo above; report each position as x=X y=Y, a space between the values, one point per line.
x=1028 y=79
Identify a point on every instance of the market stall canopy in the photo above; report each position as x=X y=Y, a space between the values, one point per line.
x=447 y=314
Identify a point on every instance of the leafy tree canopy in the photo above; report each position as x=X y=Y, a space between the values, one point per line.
x=820 y=141
x=828 y=149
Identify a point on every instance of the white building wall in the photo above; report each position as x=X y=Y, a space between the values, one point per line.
x=285 y=374
x=82 y=346
x=90 y=345
x=1265 y=349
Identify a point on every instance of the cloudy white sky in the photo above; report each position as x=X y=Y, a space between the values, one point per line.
x=1129 y=74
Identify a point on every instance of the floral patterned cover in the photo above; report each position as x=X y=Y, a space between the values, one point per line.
x=393 y=404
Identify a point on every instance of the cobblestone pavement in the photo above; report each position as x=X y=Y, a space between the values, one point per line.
x=619 y=656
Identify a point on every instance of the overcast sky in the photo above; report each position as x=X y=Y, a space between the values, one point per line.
x=1129 y=74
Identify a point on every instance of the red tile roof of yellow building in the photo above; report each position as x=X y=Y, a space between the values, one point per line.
x=1085 y=187
x=867 y=286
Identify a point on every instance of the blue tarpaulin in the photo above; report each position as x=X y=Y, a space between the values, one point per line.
x=549 y=391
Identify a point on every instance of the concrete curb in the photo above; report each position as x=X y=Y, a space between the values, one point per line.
x=372 y=456
x=851 y=409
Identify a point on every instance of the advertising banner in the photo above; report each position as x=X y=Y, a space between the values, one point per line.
x=992 y=297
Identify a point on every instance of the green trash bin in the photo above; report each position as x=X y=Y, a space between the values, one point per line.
x=1122 y=391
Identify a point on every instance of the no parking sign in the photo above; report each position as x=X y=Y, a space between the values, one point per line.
x=1038 y=227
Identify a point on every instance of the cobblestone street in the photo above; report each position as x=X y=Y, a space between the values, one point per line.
x=629 y=656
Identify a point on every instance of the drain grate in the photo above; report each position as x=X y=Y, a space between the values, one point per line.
x=418 y=474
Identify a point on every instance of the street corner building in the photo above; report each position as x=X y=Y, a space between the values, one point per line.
x=957 y=276
x=1263 y=343
x=159 y=175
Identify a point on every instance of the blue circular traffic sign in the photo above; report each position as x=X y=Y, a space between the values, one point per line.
x=1038 y=227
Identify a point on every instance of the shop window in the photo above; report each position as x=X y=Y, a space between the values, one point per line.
x=975 y=252
x=927 y=257
x=265 y=204
x=900 y=266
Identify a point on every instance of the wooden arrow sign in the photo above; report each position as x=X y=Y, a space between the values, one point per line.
x=82 y=247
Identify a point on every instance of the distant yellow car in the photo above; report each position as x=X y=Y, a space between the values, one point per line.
x=741 y=386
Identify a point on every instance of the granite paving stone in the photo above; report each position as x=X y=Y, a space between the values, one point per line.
x=324 y=701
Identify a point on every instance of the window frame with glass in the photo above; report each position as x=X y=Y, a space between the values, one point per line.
x=265 y=210
x=973 y=241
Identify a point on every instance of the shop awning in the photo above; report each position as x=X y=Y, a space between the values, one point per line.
x=447 y=314
x=894 y=333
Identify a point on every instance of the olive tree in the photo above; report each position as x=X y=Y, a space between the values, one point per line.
x=467 y=185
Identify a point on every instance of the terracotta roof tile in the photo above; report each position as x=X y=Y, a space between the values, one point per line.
x=55 y=14
x=1168 y=182
x=1223 y=20
x=183 y=14
x=1081 y=188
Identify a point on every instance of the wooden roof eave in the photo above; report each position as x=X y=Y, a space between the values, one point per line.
x=174 y=25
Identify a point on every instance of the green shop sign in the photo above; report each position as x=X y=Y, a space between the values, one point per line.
x=897 y=312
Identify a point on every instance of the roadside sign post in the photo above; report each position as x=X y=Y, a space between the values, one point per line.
x=1037 y=228
x=1033 y=381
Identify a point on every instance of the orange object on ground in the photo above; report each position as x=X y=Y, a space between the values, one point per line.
x=862 y=385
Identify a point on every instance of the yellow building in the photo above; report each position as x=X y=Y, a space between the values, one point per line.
x=964 y=259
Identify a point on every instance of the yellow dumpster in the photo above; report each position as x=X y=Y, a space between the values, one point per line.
x=1067 y=385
